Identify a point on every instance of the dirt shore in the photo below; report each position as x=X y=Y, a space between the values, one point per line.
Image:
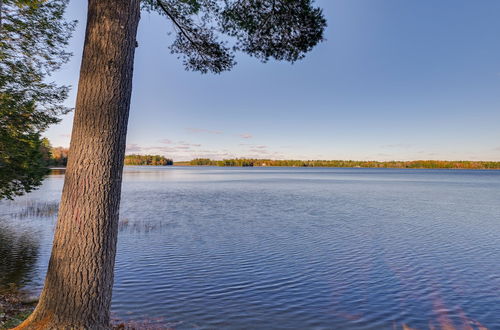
x=14 y=308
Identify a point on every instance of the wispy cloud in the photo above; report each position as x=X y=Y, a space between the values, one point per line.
x=169 y=148
x=260 y=151
x=133 y=148
x=497 y=149
x=246 y=136
x=182 y=150
x=179 y=143
x=163 y=149
x=253 y=145
x=203 y=130
x=397 y=146
x=182 y=143
x=207 y=153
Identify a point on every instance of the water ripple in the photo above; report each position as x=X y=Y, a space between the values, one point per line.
x=290 y=248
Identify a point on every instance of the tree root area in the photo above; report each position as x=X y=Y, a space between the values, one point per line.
x=13 y=309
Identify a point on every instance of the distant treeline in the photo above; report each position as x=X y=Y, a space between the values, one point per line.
x=155 y=160
x=53 y=157
x=58 y=157
x=348 y=163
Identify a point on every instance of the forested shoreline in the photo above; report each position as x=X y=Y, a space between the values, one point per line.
x=153 y=160
x=429 y=164
x=58 y=157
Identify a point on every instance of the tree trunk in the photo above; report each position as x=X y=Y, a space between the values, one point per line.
x=78 y=286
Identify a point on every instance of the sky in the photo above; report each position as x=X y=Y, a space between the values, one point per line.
x=395 y=80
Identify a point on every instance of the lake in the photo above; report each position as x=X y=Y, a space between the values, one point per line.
x=287 y=248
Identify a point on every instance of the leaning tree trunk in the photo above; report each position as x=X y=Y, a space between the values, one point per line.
x=77 y=292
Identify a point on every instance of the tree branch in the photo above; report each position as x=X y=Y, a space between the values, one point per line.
x=172 y=18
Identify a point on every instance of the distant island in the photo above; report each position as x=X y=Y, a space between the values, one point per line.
x=245 y=162
x=154 y=160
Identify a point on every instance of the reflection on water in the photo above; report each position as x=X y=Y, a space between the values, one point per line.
x=293 y=248
x=18 y=257
x=57 y=171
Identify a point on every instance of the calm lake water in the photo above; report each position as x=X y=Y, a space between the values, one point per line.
x=287 y=248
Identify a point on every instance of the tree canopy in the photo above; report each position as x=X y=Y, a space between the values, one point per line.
x=209 y=32
x=33 y=36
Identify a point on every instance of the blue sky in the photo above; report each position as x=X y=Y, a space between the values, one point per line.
x=395 y=79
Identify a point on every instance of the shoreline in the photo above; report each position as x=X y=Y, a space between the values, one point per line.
x=63 y=169
x=15 y=307
x=336 y=167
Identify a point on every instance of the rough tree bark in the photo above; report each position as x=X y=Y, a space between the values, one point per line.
x=78 y=286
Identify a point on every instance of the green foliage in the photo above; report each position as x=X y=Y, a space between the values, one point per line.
x=59 y=157
x=22 y=165
x=208 y=32
x=33 y=35
x=154 y=160
x=203 y=162
x=348 y=163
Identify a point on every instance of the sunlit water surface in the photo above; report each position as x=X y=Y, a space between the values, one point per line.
x=289 y=248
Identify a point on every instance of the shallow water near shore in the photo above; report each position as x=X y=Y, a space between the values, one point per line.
x=287 y=248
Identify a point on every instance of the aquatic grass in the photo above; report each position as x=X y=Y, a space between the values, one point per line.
x=148 y=323
x=142 y=226
x=38 y=209
x=136 y=325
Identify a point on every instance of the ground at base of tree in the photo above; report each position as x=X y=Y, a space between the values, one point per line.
x=14 y=309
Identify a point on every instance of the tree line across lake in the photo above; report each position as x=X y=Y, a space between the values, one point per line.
x=58 y=157
x=155 y=160
x=347 y=163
